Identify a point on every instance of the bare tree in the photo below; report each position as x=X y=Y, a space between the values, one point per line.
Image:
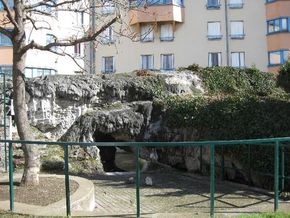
x=39 y=15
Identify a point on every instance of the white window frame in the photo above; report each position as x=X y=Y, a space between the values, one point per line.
x=214 y=30
x=237 y=32
x=236 y=4
x=210 y=56
x=241 y=59
x=162 y=62
x=78 y=50
x=166 y=32
x=210 y=5
x=147 y=32
x=107 y=36
x=107 y=70
x=149 y=65
x=108 y=7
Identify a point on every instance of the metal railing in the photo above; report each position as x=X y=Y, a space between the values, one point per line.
x=279 y=144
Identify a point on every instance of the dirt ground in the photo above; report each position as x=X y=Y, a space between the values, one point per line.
x=48 y=191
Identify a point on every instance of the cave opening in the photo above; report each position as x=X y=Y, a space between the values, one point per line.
x=107 y=153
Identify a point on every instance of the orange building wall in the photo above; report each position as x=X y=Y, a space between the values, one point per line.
x=277 y=9
x=6 y=53
x=277 y=41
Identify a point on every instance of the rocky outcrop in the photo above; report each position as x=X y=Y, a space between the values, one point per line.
x=117 y=107
x=56 y=102
x=103 y=107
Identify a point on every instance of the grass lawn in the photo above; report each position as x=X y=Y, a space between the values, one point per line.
x=267 y=215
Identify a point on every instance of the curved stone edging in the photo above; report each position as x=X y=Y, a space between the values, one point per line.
x=83 y=199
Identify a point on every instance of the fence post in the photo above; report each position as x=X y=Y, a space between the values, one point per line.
x=67 y=188
x=276 y=177
x=11 y=188
x=223 y=163
x=137 y=180
x=200 y=161
x=4 y=117
x=212 y=178
x=282 y=168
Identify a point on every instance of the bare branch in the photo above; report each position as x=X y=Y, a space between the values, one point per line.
x=75 y=61
x=9 y=13
x=5 y=32
x=50 y=3
x=68 y=42
x=33 y=22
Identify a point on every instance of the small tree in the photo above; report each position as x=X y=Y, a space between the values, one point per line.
x=284 y=76
x=32 y=13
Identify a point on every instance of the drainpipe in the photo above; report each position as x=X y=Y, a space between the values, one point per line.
x=227 y=33
x=92 y=43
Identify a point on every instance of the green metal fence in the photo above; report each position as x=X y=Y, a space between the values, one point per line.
x=278 y=143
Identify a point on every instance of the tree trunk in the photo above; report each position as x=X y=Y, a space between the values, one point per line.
x=31 y=154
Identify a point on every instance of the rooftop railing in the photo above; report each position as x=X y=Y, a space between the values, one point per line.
x=141 y=3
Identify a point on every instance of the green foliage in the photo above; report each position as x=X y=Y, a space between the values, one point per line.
x=267 y=215
x=229 y=80
x=283 y=78
x=194 y=68
x=233 y=117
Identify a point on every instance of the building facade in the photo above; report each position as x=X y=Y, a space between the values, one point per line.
x=278 y=32
x=60 y=25
x=176 y=33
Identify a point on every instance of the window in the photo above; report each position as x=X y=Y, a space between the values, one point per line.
x=281 y=24
x=237 y=30
x=77 y=49
x=48 y=7
x=278 y=57
x=10 y=4
x=214 y=59
x=166 y=32
x=108 y=35
x=5 y=40
x=79 y=18
x=147 y=33
x=31 y=72
x=167 y=62
x=214 y=30
x=147 y=62
x=51 y=39
x=238 y=59
x=213 y=4
x=6 y=69
x=108 y=65
x=108 y=7
x=236 y=3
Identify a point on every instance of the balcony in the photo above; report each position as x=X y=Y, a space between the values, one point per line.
x=156 y=11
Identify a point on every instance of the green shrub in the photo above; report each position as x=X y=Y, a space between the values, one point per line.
x=229 y=80
x=233 y=117
x=283 y=79
x=194 y=67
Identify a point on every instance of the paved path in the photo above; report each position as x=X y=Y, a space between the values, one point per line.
x=173 y=194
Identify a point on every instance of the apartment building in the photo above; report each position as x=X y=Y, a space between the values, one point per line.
x=61 y=25
x=175 y=33
x=278 y=32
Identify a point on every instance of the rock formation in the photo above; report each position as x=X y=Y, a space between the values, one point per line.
x=106 y=108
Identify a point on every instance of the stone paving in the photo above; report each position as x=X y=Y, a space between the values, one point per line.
x=178 y=193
